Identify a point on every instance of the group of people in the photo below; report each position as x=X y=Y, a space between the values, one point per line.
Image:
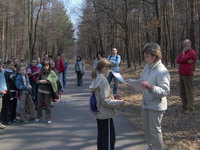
x=155 y=80
x=35 y=85
x=27 y=87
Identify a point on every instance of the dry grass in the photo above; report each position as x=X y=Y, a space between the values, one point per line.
x=180 y=131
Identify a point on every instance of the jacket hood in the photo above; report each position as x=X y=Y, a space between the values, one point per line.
x=96 y=82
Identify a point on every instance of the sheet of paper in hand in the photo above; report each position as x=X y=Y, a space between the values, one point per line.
x=136 y=84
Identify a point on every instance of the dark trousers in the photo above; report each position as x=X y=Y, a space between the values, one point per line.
x=8 y=108
x=34 y=92
x=106 y=134
x=79 y=78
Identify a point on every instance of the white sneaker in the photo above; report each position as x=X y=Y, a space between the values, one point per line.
x=49 y=121
x=2 y=126
x=37 y=120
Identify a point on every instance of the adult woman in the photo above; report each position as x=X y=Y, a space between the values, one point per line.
x=106 y=105
x=154 y=103
x=99 y=56
x=79 y=69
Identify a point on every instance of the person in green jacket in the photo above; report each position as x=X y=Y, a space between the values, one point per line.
x=47 y=85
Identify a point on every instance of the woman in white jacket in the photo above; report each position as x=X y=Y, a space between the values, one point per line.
x=105 y=104
x=154 y=103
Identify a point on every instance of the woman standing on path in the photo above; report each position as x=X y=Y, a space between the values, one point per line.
x=99 y=56
x=105 y=104
x=154 y=103
x=79 y=69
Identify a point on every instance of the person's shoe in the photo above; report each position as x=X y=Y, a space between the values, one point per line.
x=117 y=97
x=24 y=121
x=37 y=120
x=49 y=121
x=149 y=148
x=6 y=123
x=2 y=126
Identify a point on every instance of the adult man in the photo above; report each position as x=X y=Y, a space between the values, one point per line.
x=186 y=61
x=115 y=59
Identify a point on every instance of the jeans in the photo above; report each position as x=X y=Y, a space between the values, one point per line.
x=64 y=77
x=60 y=77
x=109 y=78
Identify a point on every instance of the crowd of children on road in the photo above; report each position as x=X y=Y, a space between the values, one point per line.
x=28 y=88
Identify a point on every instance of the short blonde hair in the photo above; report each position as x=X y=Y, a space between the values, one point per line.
x=153 y=49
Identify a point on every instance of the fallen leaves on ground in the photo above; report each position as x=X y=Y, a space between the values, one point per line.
x=180 y=131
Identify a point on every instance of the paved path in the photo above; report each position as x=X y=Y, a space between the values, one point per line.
x=73 y=127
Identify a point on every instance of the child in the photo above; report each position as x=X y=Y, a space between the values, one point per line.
x=3 y=86
x=53 y=67
x=47 y=85
x=23 y=85
x=105 y=104
x=32 y=72
x=9 y=100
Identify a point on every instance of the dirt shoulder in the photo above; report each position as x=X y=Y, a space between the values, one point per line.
x=180 y=131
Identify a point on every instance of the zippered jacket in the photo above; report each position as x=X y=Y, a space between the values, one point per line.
x=158 y=76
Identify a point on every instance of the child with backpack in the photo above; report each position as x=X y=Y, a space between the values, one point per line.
x=106 y=105
x=24 y=92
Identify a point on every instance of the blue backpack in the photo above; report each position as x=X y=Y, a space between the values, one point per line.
x=93 y=104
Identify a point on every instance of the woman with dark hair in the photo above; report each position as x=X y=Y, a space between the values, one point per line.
x=79 y=69
x=47 y=84
x=99 y=56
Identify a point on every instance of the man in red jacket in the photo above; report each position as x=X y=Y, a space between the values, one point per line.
x=60 y=66
x=186 y=61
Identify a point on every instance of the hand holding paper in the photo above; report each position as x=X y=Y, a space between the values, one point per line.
x=136 y=84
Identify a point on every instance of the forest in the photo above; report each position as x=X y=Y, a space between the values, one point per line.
x=32 y=28
x=129 y=24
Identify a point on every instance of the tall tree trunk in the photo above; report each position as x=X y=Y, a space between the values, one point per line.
x=192 y=13
x=158 y=19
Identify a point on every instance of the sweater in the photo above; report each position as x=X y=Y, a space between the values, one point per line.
x=184 y=67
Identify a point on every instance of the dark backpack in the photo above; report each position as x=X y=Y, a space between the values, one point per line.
x=115 y=59
x=93 y=104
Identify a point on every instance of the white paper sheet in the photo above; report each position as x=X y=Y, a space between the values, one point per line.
x=136 y=84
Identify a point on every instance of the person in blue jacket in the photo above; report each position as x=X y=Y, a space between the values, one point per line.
x=116 y=60
x=3 y=86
